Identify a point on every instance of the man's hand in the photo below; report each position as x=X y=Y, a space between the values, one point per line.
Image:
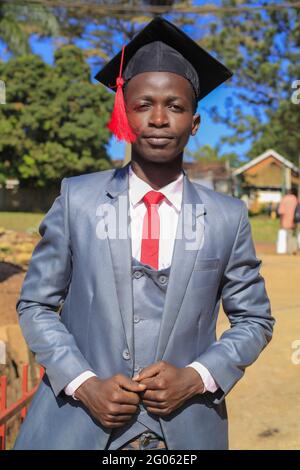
x=168 y=387
x=111 y=401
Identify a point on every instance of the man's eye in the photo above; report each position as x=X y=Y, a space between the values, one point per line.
x=175 y=106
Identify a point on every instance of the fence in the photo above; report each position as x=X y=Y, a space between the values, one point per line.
x=27 y=199
x=19 y=406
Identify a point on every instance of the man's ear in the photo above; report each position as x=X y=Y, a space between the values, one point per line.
x=196 y=123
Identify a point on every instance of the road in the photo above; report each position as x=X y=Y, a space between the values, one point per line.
x=264 y=407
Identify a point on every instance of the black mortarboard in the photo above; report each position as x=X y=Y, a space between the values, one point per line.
x=171 y=50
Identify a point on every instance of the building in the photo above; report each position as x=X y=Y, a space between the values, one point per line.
x=265 y=178
x=215 y=175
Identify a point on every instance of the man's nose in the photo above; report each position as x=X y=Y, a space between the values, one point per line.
x=159 y=116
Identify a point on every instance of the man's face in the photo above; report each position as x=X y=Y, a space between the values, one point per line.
x=160 y=111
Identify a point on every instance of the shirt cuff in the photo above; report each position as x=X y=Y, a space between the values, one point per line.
x=209 y=383
x=71 y=388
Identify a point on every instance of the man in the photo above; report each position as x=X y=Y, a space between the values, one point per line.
x=133 y=360
x=286 y=211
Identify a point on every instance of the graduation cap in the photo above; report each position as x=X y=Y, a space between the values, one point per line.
x=159 y=47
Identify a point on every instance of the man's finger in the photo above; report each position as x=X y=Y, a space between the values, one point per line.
x=155 y=404
x=146 y=381
x=130 y=398
x=148 y=372
x=116 y=424
x=124 y=409
x=130 y=384
x=157 y=411
x=120 y=418
x=151 y=384
x=151 y=395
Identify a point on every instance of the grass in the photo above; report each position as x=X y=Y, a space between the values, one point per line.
x=20 y=221
x=264 y=229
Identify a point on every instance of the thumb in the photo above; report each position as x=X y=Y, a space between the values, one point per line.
x=148 y=372
x=130 y=384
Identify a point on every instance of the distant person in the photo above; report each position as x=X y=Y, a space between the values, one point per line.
x=273 y=214
x=271 y=210
x=286 y=212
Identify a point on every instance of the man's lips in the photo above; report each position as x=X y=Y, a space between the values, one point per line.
x=158 y=140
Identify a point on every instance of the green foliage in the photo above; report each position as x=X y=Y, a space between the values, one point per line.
x=18 y=21
x=282 y=132
x=262 y=47
x=105 y=32
x=208 y=154
x=54 y=122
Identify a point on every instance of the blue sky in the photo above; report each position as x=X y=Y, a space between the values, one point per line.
x=209 y=132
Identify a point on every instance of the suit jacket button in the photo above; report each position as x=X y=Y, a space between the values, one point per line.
x=126 y=354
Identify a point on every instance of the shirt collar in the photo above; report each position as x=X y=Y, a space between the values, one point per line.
x=138 y=188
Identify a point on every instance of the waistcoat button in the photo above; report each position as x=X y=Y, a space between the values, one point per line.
x=137 y=274
x=126 y=354
x=163 y=279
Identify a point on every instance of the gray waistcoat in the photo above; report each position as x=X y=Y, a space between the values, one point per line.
x=149 y=291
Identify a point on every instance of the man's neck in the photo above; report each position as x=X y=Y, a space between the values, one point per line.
x=157 y=176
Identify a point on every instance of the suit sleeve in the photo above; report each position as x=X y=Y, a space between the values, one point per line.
x=43 y=291
x=247 y=306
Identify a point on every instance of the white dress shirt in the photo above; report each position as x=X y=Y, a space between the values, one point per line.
x=168 y=211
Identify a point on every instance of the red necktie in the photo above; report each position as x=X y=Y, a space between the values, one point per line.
x=151 y=227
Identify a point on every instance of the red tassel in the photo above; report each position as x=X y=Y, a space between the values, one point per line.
x=119 y=124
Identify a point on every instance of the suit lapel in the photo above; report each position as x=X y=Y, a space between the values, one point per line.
x=189 y=239
x=120 y=247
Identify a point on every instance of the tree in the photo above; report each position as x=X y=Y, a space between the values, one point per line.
x=281 y=132
x=54 y=122
x=262 y=47
x=18 y=22
x=105 y=33
x=208 y=154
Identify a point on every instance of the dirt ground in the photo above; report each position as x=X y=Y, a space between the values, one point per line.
x=264 y=407
x=10 y=284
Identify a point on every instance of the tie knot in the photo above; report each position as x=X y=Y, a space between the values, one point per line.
x=153 y=197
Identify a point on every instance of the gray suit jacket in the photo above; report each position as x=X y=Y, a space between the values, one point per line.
x=88 y=275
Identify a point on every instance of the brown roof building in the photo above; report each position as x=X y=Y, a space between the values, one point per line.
x=214 y=175
x=266 y=177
